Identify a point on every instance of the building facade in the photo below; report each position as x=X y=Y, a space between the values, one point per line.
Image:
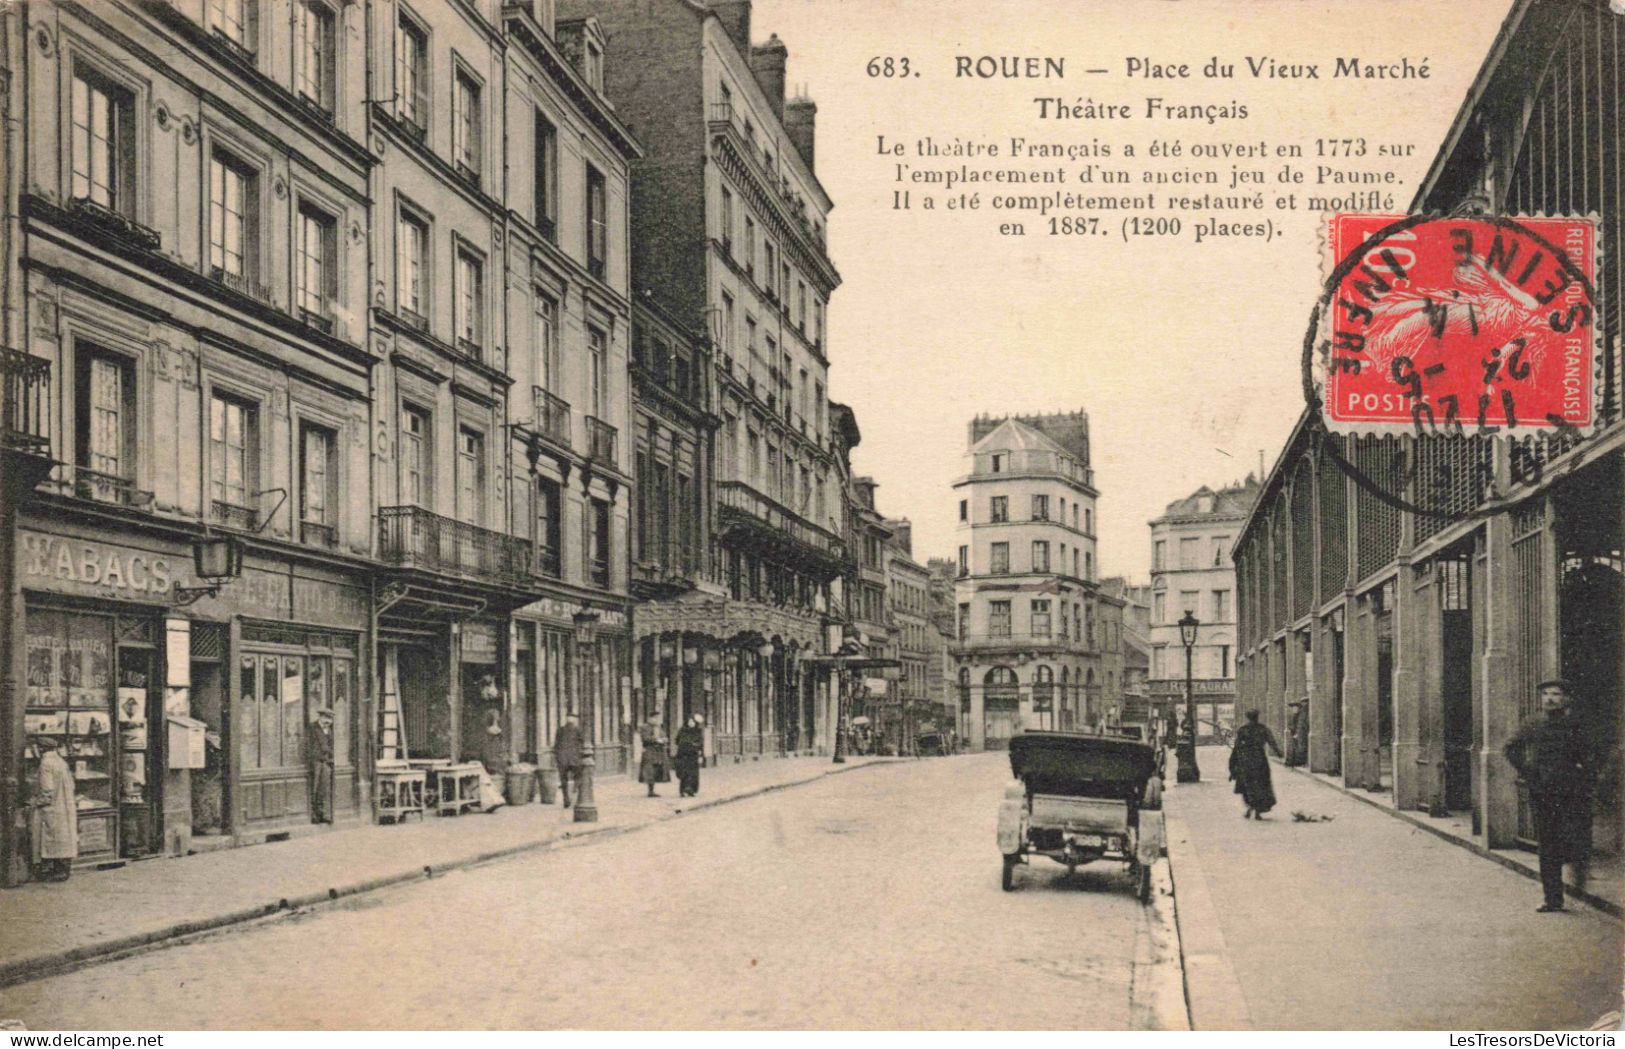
x=1191 y=572
x=729 y=225
x=908 y=598
x=282 y=298
x=1031 y=640
x=1416 y=640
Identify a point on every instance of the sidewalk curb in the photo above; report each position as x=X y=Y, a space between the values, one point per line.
x=57 y=963
x=1417 y=820
x=1214 y=1000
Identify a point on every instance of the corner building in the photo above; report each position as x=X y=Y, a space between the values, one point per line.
x=729 y=223
x=1031 y=641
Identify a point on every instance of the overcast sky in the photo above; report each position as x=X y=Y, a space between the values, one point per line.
x=1186 y=357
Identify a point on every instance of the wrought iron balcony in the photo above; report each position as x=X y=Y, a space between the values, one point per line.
x=412 y=537
x=82 y=482
x=741 y=504
x=24 y=398
x=234 y=516
x=551 y=419
x=601 y=441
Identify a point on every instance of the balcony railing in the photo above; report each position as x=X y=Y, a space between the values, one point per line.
x=601 y=441
x=234 y=516
x=741 y=499
x=84 y=483
x=239 y=282
x=551 y=419
x=24 y=398
x=412 y=537
x=115 y=222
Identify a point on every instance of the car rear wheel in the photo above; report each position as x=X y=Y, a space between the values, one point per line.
x=1008 y=881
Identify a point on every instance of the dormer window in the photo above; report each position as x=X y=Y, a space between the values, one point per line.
x=593 y=58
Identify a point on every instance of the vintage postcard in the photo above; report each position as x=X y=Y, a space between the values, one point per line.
x=785 y=515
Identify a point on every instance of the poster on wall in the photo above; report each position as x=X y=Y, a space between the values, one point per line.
x=133 y=781
x=132 y=705
x=133 y=736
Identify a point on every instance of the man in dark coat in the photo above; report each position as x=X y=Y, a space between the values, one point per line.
x=568 y=749
x=1552 y=756
x=321 y=767
x=1250 y=766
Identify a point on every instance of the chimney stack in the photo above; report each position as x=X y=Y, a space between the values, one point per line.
x=735 y=18
x=799 y=117
x=767 y=61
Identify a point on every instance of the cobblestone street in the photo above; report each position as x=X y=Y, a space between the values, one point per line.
x=868 y=900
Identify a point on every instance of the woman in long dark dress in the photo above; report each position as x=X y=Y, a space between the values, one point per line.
x=690 y=745
x=1250 y=766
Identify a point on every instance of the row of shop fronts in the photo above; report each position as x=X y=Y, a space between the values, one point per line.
x=186 y=715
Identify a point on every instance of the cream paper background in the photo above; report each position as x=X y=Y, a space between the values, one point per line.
x=1185 y=356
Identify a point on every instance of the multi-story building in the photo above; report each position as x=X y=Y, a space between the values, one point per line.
x=939 y=669
x=310 y=336
x=729 y=224
x=186 y=265
x=673 y=577
x=502 y=313
x=1191 y=572
x=908 y=597
x=1417 y=640
x=1136 y=651
x=1031 y=641
x=868 y=612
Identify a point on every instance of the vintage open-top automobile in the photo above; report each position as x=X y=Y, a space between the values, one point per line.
x=1081 y=798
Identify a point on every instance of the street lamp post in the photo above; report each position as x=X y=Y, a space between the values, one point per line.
x=1188 y=772
x=586 y=810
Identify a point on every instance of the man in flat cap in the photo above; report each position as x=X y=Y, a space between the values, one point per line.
x=1553 y=756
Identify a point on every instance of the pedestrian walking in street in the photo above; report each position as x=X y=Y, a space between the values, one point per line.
x=55 y=823
x=655 y=767
x=1250 y=766
x=1551 y=754
x=319 y=745
x=568 y=749
x=690 y=749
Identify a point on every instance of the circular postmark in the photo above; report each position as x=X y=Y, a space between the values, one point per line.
x=1450 y=329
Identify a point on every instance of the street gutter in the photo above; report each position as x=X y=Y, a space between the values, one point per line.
x=57 y=963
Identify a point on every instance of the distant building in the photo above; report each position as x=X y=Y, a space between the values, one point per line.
x=1032 y=642
x=1135 y=649
x=1191 y=572
x=908 y=593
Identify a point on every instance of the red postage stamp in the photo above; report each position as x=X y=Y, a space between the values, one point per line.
x=1472 y=325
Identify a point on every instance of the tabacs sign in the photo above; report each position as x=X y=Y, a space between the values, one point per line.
x=79 y=566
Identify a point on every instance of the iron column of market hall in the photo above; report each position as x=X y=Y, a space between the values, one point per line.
x=1188 y=771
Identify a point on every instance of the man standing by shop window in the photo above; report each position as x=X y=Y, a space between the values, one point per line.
x=567 y=752
x=56 y=814
x=321 y=767
x=1551 y=754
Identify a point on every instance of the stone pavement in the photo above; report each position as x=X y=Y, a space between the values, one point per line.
x=1364 y=921
x=53 y=927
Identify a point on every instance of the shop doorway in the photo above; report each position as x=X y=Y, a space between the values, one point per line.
x=1456 y=699
x=1001 y=707
x=1591 y=607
